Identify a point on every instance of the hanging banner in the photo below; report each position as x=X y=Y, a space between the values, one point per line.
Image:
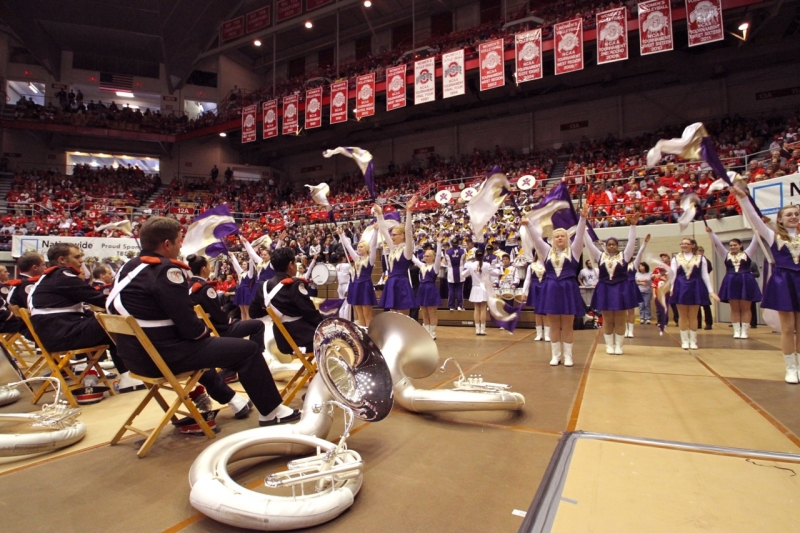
x=231 y=29
x=655 y=27
x=314 y=108
x=365 y=95
x=255 y=20
x=339 y=102
x=395 y=87
x=492 y=70
x=290 y=125
x=425 y=81
x=528 y=57
x=453 y=74
x=568 y=44
x=249 y=123
x=286 y=9
x=612 y=35
x=269 y=117
x=315 y=4
x=704 y=21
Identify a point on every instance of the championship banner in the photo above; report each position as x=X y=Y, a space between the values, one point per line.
x=704 y=21
x=492 y=70
x=231 y=29
x=612 y=35
x=286 y=9
x=92 y=247
x=314 y=108
x=269 y=117
x=395 y=87
x=249 y=123
x=453 y=78
x=528 y=55
x=339 y=102
x=425 y=81
x=568 y=44
x=255 y=20
x=655 y=27
x=290 y=115
x=365 y=95
x=316 y=4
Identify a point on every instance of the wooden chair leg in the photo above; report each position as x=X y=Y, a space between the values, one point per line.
x=152 y=390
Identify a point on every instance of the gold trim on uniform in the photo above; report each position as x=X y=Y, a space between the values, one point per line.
x=538 y=269
x=688 y=264
x=611 y=262
x=394 y=255
x=736 y=260
x=792 y=244
x=556 y=259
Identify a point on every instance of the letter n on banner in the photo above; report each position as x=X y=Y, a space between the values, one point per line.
x=365 y=95
x=290 y=115
x=655 y=27
x=612 y=35
x=492 y=71
x=453 y=74
x=249 y=123
x=395 y=87
x=568 y=43
x=270 y=118
x=339 y=102
x=529 y=55
x=425 y=81
x=314 y=108
x=704 y=21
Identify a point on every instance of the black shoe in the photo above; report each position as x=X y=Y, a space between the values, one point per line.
x=295 y=415
x=244 y=411
x=709 y=327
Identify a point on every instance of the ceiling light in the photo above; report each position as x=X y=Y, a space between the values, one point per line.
x=367 y=3
x=223 y=134
x=309 y=24
x=125 y=94
x=257 y=42
x=33 y=88
x=744 y=26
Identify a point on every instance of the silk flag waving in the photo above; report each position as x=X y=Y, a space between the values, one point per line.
x=204 y=236
x=364 y=161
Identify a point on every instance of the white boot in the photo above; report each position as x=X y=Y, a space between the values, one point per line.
x=128 y=384
x=791 y=368
x=547 y=334
x=555 y=348
x=567 y=354
x=609 y=343
x=477 y=329
x=618 y=340
x=433 y=331
x=745 y=331
x=737 y=330
x=539 y=333
x=483 y=328
x=685 y=339
x=692 y=339
x=629 y=330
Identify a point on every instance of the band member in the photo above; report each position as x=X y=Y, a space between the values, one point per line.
x=533 y=283
x=398 y=294
x=427 y=294
x=360 y=292
x=479 y=273
x=455 y=284
x=633 y=288
x=739 y=287
x=30 y=265
x=691 y=288
x=153 y=288
x=102 y=279
x=8 y=322
x=343 y=276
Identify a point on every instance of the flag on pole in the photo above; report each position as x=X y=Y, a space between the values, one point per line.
x=205 y=234
x=123 y=226
x=485 y=204
x=364 y=161
x=555 y=211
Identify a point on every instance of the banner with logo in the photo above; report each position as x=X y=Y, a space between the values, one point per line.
x=92 y=247
x=612 y=35
x=339 y=102
x=290 y=123
x=249 y=123
x=269 y=111
x=704 y=21
x=492 y=70
x=365 y=95
x=314 y=108
x=568 y=44
x=528 y=58
x=655 y=27
x=425 y=81
x=395 y=87
x=453 y=79
x=770 y=195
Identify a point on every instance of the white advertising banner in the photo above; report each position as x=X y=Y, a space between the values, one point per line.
x=453 y=74
x=92 y=247
x=424 y=81
x=771 y=195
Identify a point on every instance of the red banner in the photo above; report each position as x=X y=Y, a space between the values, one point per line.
x=395 y=87
x=249 y=123
x=314 y=4
x=528 y=56
x=365 y=95
x=269 y=111
x=704 y=21
x=612 y=35
x=286 y=9
x=255 y=20
x=290 y=115
x=491 y=64
x=568 y=45
x=339 y=102
x=655 y=27
x=314 y=108
x=231 y=29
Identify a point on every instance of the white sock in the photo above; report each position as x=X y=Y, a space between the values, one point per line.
x=238 y=402
x=281 y=411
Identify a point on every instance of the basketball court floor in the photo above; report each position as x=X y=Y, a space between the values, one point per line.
x=658 y=439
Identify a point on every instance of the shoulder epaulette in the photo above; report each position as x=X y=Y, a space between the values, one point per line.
x=14 y=282
x=34 y=279
x=287 y=281
x=49 y=270
x=180 y=264
x=196 y=287
x=150 y=260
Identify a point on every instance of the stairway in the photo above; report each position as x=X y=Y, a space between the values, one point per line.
x=139 y=211
x=5 y=186
x=558 y=169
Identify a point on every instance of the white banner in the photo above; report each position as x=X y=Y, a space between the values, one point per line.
x=425 y=81
x=771 y=195
x=92 y=247
x=453 y=74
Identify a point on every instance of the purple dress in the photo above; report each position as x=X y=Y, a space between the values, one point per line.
x=782 y=292
x=245 y=291
x=397 y=293
x=427 y=292
x=613 y=291
x=689 y=287
x=536 y=275
x=560 y=294
x=739 y=282
x=632 y=288
x=361 y=291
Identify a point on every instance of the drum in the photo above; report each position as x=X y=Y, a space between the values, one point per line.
x=506 y=290
x=323 y=274
x=520 y=296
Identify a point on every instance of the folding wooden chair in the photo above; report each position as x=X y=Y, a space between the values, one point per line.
x=181 y=385
x=305 y=373
x=59 y=364
x=18 y=348
x=202 y=315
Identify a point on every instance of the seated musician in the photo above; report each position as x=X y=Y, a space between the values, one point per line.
x=289 y=297
x=30 y=266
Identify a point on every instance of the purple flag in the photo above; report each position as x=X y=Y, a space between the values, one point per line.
x=556 y=211
x=205 y=234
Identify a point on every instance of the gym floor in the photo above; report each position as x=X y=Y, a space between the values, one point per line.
x=480 y=471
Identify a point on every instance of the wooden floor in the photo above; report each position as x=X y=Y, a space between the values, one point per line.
x=480 y=471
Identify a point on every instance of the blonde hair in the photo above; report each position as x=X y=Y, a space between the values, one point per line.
x=398 y=230
x=780 y=229
x=365 y=244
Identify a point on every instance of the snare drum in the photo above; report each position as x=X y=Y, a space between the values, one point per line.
x=506 y=290
x=520 y=296
x=323 y=274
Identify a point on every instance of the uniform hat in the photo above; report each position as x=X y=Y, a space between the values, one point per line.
x=89 y=395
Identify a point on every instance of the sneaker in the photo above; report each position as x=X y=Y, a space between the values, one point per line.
x=244 y=411
x=647 y=322
x=278 y=420
x=451 y=309
x=460 y=308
